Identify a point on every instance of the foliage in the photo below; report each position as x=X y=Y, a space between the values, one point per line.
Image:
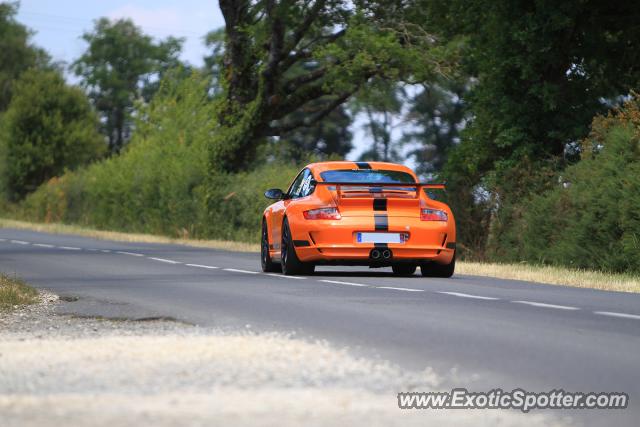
x=48 y=128
x=157 y=184
x=381 y=103
x=122 y=64
x=214 y=41
x=322 y=138
x=438 y=114
x=590 y=218
x=329 y=136
x=16 y=52
x=543 y=70
x=283 y=57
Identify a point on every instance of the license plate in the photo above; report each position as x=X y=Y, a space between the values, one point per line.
x=378 y=237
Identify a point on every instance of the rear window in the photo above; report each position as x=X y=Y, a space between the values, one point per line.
x=367 y=175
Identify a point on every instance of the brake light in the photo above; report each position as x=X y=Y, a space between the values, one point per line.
x=322 y=213
x=433 y=215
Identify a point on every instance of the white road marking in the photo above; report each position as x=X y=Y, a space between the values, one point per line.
x=460 y=294
x=3 y=240
x=20 y=242
x=614 y=314
x=282 y=276
x=337 y=282
x=400 y=289
x=168 y=261
x=106 y=251
x=211 y=267
x=128 y=253
x=235 y=270
x=93 y=250
x=543 y=305
x=69 y=248
x=43 y=245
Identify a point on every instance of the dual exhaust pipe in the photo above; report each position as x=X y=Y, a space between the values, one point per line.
x=380 y=254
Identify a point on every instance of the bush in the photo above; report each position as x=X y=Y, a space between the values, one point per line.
x=157 y=185
x=48 y=128
x=591 y=218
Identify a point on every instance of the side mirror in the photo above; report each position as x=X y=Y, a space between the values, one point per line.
x=274 y=193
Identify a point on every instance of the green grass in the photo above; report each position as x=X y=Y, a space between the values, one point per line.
x=15 y=292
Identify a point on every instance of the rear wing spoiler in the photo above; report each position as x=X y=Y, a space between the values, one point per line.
x=417 y=185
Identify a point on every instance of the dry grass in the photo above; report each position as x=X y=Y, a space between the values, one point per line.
x=553 y=275
x=533 y=273
x=128 y=237
x=15 y=292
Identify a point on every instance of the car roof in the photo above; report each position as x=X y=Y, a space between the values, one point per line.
x=320 y=167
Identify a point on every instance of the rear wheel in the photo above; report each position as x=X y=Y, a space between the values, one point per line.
x=268 y=266
x=403 y=269
x=433 y=269
x=291 y=265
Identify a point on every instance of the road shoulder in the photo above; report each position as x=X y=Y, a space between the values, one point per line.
x=59 y=369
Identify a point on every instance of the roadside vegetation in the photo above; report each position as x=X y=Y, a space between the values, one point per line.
x=553 y=275
x=528 y=113
x=590 y=216
x=15 y=292
x=158 y=185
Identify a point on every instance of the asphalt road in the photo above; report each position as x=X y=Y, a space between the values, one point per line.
x=480 y=333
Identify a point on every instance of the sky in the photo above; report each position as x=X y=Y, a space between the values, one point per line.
x=59 y=25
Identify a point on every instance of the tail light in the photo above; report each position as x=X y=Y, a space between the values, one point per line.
x=433 y=215
x=322 y=213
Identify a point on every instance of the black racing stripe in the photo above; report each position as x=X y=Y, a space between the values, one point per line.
x=381 y=221
x=363 y=165
x=379 y=204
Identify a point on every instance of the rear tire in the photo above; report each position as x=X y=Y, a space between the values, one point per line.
x=433 y=269
x=289 y=261
x=268 y=266
x=404 y=269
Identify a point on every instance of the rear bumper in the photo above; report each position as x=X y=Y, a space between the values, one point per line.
x=335 y=242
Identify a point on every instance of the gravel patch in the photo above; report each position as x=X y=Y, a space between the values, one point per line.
x=59 y=369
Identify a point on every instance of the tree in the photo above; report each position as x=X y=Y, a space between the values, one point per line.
x=328 y=137
x=17 y=54
x=437 y=114
x=214 y=41
x=48 y=128
x=122 y=64
x=344 y=45
x=380 y=103
x=544 y=68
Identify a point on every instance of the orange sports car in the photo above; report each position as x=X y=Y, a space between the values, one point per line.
x=358 y=213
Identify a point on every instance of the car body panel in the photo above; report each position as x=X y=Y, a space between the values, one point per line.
x=334 y=241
